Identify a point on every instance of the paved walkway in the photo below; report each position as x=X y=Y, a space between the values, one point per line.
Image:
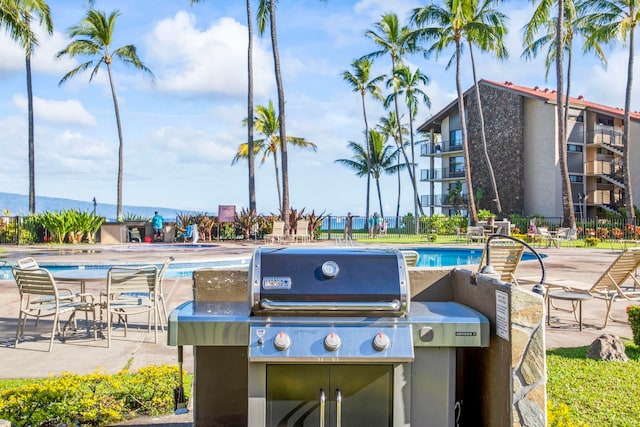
x=81 y=354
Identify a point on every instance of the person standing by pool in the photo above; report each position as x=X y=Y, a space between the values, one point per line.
x=157 y=221
x=348 y=226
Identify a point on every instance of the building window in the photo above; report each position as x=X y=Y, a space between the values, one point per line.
x=574 y=148
x=455 y=137
x=575 y=178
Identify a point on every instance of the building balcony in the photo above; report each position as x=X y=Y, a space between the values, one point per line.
x=440 y=148
x=441 y=174
x=608 y=137
x=609 y=170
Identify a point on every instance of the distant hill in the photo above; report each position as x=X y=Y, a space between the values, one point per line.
x=18 y=204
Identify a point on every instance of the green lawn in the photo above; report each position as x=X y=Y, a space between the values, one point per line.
x=597 y=393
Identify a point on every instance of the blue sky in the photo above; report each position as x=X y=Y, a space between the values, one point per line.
x=181 y=132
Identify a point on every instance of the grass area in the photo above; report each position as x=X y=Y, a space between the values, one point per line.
x=597 y=393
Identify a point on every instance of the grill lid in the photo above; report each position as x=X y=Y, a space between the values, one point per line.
x=320 y=280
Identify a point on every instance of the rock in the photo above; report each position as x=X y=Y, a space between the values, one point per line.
x=607 y=347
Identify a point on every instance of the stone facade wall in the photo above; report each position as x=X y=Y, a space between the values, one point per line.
x=504 y=128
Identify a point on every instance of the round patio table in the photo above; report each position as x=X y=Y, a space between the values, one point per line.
x=574 y=297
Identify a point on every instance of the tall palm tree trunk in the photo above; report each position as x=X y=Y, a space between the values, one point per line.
x=283 y=133
x=399 y=189
x=471 y=204
x=379 y=198
x=250 y=154
x=275 y=163
x=567 y=199
x=483 y=134
x=626 y=140
x=366 y=138
x=32 y=149
x=120 y=144
x=417 y=206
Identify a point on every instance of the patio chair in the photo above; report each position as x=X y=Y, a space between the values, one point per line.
x=277 y=233
x=159 y=298
x=38 y=282
x=27 y=263
x=410 y=257
x=504 y=257
x=125 y=281
x=302 y=230
x=609 y=287
x=559 y=236
x=541 y=236
x=475 y=233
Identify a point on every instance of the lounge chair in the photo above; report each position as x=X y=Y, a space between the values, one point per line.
x=475 y=233
x=504 y=256
x=277 y=233
x=302 y=230
x=410 y=257
x=38 y=282
x=610 y=286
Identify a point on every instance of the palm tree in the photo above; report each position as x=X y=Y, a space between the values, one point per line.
x=488 y=34
x=617 y=20
x=394 y=40
x=388 y=126
x=92 y=39
x=379 y=158
x=16 y=17
x=449 y=26
x=406 y=83
x=267 y=10
x=360 y=81
x=266 y=122
x=574 y=24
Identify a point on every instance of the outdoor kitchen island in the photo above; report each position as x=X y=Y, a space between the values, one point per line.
x=330 y=337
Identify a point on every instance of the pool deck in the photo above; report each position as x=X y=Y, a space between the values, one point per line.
x=82 y=354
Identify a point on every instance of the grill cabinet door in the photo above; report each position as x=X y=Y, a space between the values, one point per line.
x=353 y=395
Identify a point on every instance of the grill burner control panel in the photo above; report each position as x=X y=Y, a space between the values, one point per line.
x=334 y=343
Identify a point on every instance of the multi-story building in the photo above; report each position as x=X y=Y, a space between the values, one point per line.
x=520 y=128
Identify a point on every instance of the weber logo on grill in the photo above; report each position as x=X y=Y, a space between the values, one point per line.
x=465 y=334
x=276 y=283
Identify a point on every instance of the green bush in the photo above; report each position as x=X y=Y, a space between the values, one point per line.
x=591 y=241
x=633 y=311
x=91 y=400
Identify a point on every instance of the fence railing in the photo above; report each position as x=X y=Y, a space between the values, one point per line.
x=18 y=230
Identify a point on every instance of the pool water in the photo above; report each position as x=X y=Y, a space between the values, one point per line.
x=175 y=270
x=451 y=257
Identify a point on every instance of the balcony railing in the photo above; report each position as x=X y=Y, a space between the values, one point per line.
x=441 y=174
x=606 y=135
x=440 y=148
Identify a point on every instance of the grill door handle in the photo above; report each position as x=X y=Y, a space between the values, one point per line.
x=322 y=399
x=338 y=408
x=267 y=304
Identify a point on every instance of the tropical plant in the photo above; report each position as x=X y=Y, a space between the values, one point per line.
x=267 y=10
x=267 y=123
x=488 y=34
x=445 y=26
x=360 y=81
x=315 y=223
x=247 y=219
x=614 y=20
x=407 y=83
x=382 y=160
x=16 y=17
x=395 y=41
x=455 y=197
x=92 y=39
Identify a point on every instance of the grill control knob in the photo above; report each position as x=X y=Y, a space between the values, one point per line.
x=281 y=341
x=332 y=341
x=381 y=341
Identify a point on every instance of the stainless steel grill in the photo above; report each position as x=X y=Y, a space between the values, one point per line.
x=330 y=337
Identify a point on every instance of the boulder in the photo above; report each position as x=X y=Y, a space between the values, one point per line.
x=607 y=347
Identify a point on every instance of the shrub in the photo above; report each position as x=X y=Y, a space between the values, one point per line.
x=633 y=311
x=591 y=241
x=90 y=400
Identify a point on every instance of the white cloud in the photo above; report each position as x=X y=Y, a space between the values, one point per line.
x=211 y=61
x=60 y=112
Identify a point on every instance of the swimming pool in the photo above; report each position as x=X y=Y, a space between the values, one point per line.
x=175 y=270
x=452 y=257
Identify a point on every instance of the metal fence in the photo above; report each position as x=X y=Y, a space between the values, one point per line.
x=19 y=230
